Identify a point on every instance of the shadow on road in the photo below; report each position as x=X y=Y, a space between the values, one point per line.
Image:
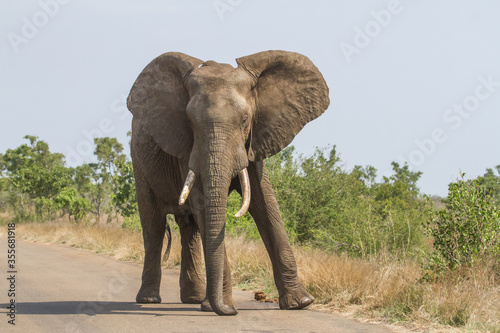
x=92 y=308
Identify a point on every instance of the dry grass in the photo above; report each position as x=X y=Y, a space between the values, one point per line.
x=380 y=289
x=119 y=243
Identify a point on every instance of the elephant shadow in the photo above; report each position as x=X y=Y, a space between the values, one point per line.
x=93 y=308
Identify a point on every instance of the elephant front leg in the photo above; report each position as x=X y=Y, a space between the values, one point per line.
x=153 y=223
x=265 y=211
x=191 y=281
x=151 y=274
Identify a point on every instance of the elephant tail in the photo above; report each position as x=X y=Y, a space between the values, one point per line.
x=168 y=233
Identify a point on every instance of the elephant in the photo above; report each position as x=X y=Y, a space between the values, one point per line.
x=201 y=130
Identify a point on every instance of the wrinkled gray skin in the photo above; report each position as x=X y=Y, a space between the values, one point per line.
x=217 y=120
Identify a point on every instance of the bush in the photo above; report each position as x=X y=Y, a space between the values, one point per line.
x=467 y=230
x=243 y=226
x=347 y=211
x=71 y=203
x=132 y=222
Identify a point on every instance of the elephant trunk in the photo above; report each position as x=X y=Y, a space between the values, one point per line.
x=216 y=178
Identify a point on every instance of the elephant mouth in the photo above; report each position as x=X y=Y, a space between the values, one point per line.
x=245 y=190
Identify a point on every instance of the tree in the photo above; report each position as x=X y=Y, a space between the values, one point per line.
x=401 y=208
x=34 y=177
x=324 y=205
x=109 y=153
x=401 y=185
x=124 y=198
x=98 y=182
x=71 y=203
x=366 y=175
x=317 y=198
x=490 y=182
x=90 y=185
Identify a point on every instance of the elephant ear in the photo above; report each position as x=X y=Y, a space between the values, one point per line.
x=290 y=92
x=158 y=101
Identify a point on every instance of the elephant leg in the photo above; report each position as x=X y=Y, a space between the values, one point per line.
x=191 y=281
x=265 y=211
x=153 y=230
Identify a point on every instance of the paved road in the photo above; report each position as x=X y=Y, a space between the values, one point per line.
x=62 y=289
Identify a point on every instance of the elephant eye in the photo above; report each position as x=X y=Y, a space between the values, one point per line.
x=245 y=118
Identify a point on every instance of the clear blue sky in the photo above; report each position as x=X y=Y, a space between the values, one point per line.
x=413 y=80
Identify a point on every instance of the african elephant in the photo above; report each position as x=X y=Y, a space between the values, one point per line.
x=199 y=127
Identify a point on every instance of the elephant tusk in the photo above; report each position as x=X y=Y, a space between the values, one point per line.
x=188 y=184
x=245 y=191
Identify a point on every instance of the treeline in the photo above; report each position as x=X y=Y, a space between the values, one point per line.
x=351 y=212
x=322 y=204
x=36 y=185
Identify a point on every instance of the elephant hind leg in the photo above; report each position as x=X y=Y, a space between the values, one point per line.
x=191 y=280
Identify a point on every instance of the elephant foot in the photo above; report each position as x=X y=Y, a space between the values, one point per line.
x=296 y=300
x=192 y=299
x=148 y=296
x=205 y=304
x=192 y=293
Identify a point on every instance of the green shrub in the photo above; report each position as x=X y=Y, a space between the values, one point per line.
x=70 y=202
x=325 y=206
x=132 y=222
x=243 y=226
x=467 y=229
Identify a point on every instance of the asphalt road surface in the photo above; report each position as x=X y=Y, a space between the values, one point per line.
x=62 y=289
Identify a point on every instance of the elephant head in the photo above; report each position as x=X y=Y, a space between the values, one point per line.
x=218 y=118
